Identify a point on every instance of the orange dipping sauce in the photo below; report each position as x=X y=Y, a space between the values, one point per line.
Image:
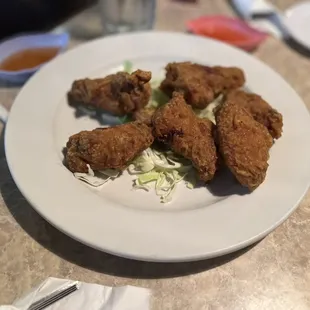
x=29 y=58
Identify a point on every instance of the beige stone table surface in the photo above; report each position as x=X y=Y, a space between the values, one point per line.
x=272 y=275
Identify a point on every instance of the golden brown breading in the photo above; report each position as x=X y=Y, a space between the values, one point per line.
x=176 y=124
x=244 y=144
x=107 y=148
x=223 y=79
x=118 y=94
x=200 y=84
x=144 y=115
x=260 y=110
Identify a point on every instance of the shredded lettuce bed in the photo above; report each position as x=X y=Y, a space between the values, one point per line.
x=97 y=178
x=160 y=170
x=208 y=112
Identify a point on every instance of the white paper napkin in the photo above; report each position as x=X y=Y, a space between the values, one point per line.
x=88 y=296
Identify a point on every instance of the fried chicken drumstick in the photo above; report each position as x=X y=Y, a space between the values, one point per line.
x=244 y=144
x=107 y=148
x=119 y=94
x=200 y=84
x=261 y=111
x=176 y=124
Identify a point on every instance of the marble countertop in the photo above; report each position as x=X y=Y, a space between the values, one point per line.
x=274 y=274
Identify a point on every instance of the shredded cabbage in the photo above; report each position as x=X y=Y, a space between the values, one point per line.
x=97 y=178
x=208 y=112
x=162 y=171
x=158 y=98
x=128 y=66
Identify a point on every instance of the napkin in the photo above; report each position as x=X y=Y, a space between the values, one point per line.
x=88 y=296
x=271 y=23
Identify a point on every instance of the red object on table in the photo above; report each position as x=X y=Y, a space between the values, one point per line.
x=230 y=30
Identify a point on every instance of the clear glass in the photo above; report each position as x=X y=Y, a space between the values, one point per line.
x=127 y=15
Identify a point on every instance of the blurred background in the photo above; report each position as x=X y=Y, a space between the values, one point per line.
x=18 y=16
x=245 y=24
x=86 y=19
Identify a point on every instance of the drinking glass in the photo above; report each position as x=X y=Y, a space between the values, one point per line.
x=127 y=15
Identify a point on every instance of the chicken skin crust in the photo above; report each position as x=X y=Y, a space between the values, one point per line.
x=107 y=148
x=144 y=115
x=261 y=111
x=176 y=125
x=200 y=84
x=244 y=144
x=119 y=94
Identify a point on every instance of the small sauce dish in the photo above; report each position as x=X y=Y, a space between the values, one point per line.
x=22 y=56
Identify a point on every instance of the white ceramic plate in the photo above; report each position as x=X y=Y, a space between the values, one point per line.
x=198 y=223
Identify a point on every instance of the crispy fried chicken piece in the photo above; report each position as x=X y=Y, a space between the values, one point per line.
x=260 y=110
x=105 y=148
x=200 y=84
x=176 y=124
x=118 y=94
x=144 y=115
x=244 y=144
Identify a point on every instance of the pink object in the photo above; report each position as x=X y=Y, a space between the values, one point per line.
x=230 y=30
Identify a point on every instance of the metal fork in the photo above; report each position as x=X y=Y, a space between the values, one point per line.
x=52 y=298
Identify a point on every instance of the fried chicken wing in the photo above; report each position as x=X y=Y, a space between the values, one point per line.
x=176 y=124
x=260 y=110
x=200 y=84
x=244 y=144
x=105 y=148
x=118 y=94
x=144 y=115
